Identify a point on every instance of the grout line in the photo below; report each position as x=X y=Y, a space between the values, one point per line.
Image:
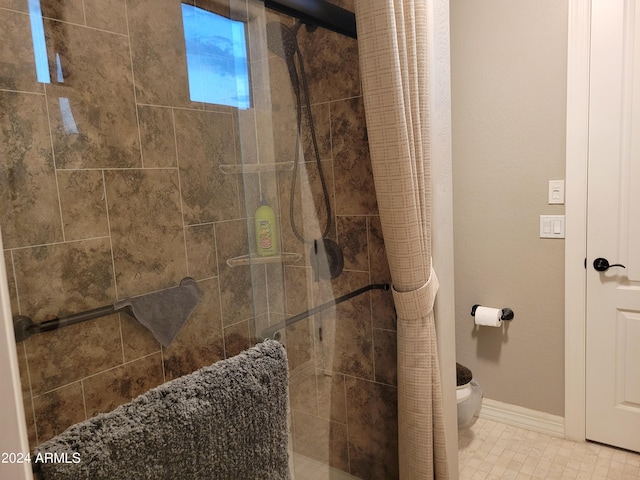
x=67 y=242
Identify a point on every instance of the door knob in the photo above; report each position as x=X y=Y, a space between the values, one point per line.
x=602 y=264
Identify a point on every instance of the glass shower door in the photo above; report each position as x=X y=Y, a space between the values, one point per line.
x=139 y=139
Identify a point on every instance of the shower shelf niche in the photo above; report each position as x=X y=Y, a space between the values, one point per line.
x=256 y=167
x=253 y=259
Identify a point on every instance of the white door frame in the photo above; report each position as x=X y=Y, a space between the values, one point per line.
x=576 y=215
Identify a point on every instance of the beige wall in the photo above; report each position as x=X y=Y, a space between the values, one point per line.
x=508 y=95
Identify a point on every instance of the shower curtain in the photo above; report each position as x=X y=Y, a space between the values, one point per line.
x=393 y=50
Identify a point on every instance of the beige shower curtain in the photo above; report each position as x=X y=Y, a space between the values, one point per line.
x=393 y=50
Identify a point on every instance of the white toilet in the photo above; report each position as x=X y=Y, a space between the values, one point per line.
x=468 y=396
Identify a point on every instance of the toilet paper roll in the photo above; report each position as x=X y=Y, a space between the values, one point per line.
x=488 y=317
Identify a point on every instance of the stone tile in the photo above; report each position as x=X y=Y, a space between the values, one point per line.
x=158 y=52
x=245 y=126
x=332 y=396
x=205 y=141
x=321 y=129
x=17 y=71
x=373 y=429
x=201 y=251
x=29 y=208
x=298 y=339
x=137 y=340
x=385 y=356
x=284 y=122
x=355 y=191
x=107 y=15
x=158 y=136
x=331 y=64
x=235 y=283
x=259 y=290
x=71 y=353
x=57 y=410
x=321 y=439
x=382 y=306
x=79 y=276
x=237 y=338
x=19 y=5
x=309 y=210
x=107 y=390
x=67 y=11
x=221 y=7
x=200 y=341
x=303 y=389
x=275 y=281
x=352 y=238
x=92 y=107
x=377 y=253
x=347 y=343
x=297 y=286
x=84 y=210
x=146 y=230
x=65 y=278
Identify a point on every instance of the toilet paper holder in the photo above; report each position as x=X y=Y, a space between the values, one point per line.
x=507 y=313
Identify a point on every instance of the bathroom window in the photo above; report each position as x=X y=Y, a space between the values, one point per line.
x=216 y=58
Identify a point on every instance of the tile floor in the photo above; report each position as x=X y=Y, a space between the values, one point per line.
x=491 y=450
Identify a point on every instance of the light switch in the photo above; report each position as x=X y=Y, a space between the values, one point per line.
x=556 y=192
x=551 y=226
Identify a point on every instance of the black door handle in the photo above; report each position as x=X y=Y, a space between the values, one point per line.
x=602 y=264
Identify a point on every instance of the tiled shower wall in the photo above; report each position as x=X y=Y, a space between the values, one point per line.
x=135 y=201
x=342 y=360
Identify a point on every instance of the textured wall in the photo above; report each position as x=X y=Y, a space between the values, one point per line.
x=135 y=201
x=509 y=95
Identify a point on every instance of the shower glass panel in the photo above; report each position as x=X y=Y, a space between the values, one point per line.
x=139 y=138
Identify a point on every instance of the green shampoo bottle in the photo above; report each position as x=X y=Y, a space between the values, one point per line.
x=266 y=231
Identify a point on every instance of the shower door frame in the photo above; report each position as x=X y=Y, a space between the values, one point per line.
x=14 y=438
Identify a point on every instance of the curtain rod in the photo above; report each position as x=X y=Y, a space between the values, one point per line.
x=271 y=331
x=318 y=12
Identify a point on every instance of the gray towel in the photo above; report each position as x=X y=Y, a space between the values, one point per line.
x=166 y=311
x=227 y=421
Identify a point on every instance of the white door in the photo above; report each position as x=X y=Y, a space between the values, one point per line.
x=613 y=295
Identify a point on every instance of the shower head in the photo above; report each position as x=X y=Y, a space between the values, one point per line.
x=281 y=39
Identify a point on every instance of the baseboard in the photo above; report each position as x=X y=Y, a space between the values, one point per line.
x=522 y=417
